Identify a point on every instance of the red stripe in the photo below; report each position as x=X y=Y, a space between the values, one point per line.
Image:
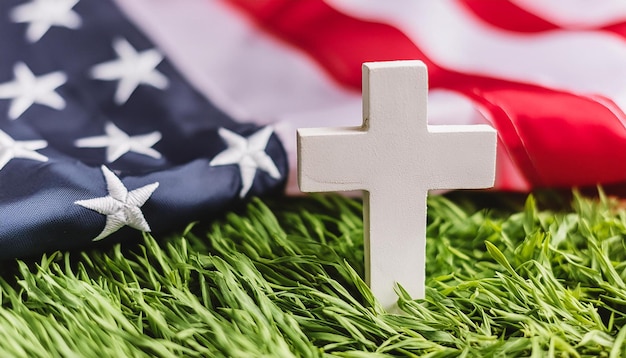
x=507 y=16
x=617 y=28
x=510 y=17
x=556 y=138
x=338 y=42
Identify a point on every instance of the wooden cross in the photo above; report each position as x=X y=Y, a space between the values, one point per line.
x=395 y=157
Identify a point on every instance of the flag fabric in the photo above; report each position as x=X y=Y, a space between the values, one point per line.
x=101 y=136
x=119 y=116
x=548 y=76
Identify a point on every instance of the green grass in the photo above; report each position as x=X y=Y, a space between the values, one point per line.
x=283 y=279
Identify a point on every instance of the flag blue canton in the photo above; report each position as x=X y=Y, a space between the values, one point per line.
x=100 y=136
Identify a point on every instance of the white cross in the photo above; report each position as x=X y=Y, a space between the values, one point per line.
x=395 y=157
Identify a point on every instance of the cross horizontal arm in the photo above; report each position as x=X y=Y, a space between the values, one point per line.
x=332 y=159
x=460 y=156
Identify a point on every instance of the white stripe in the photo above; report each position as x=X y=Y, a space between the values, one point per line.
x=252 y=76
x=577 y=13
x=578 y=61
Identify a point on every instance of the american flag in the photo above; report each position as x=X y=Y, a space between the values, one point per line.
x=119 y=116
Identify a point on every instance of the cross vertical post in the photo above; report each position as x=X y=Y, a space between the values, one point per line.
x=395 y=157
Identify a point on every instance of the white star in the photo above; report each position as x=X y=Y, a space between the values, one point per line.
x=121 y=207
x=119 y=143
x=249 y=154
x=26 y=89
x=11 y=149
x=131 y=69
x=43 y=14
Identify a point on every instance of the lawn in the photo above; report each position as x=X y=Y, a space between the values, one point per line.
x=282 y=277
